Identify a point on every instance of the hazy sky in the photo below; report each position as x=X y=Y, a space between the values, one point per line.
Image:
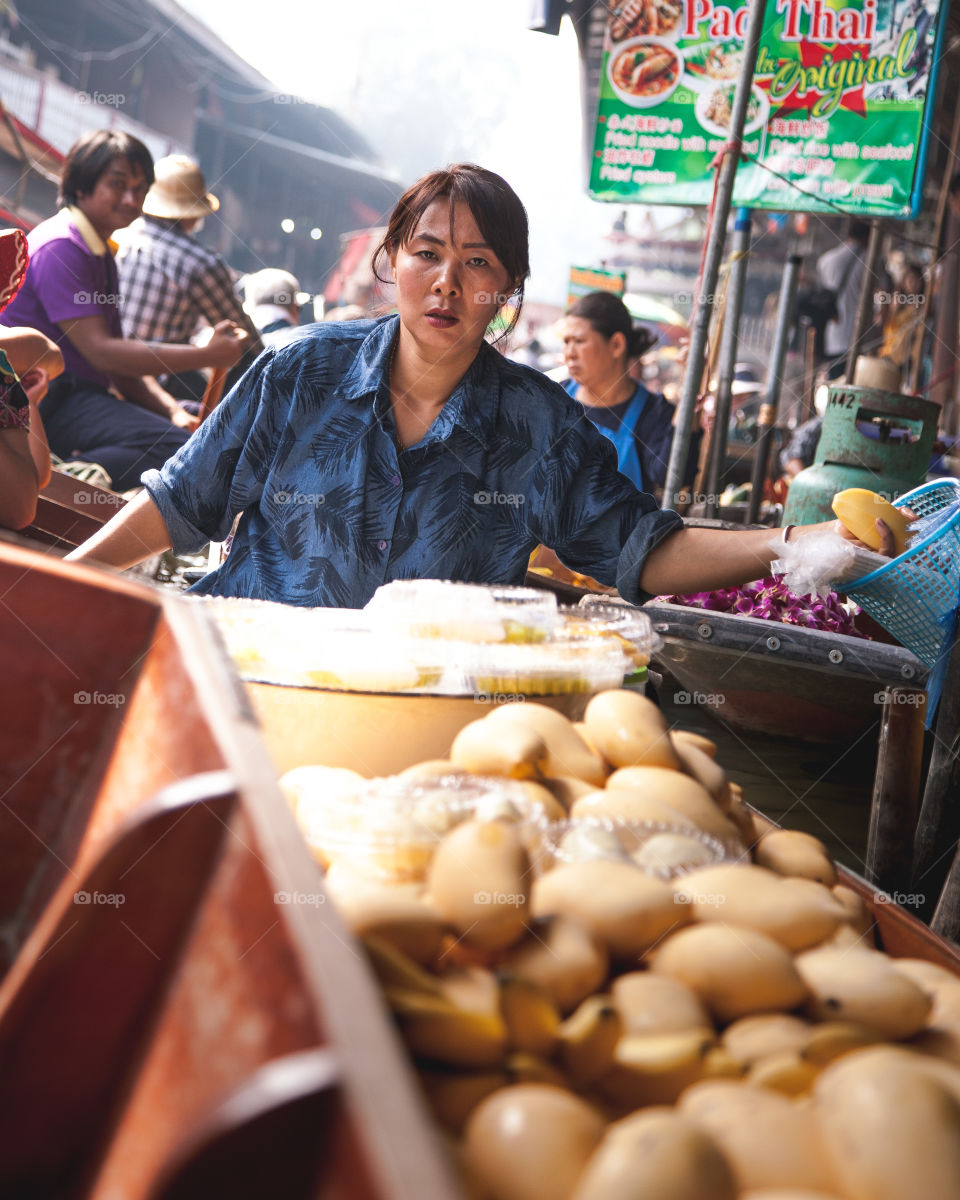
x=433 y=81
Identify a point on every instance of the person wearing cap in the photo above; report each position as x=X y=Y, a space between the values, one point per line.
x=270 y=301
x=107 y=406
x=170 y=284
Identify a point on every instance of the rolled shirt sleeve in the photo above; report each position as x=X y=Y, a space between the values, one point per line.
x=221 y=470
x=600 y=525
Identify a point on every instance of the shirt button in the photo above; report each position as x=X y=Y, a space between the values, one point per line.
x=381 y=545
x=395 y=480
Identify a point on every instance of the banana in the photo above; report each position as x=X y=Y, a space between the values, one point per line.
x=453 y=1095
x=531 y=1016
x=863 y=986
x=787 y=1073
x=531 y=1068
x=752 y=1038
x=832 y=1039
x=588 y=1039
x=720 y=1064
x=472 y=988
x=514 y=752
x=433 y=1028
x=656 y=1068
x=395 y=969
x=397 y=914
x=562 y=957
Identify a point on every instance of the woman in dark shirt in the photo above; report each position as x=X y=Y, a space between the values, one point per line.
x=600 y=342
x=408 y=448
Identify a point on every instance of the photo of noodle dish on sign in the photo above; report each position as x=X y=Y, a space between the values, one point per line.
x=714 y=109
x=645 y=71
x=708 y=62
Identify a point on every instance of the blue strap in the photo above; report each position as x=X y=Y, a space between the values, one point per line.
x=624 y=438
x=625 y=441
x=949 y=621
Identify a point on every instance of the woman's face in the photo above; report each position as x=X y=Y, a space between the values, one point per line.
x=912 y=284
x=450 y=282
x=588 y=355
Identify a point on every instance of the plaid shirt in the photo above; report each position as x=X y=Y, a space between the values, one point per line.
x=170 y=284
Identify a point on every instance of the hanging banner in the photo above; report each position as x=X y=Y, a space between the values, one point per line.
x=593 y=279
x=838 y=105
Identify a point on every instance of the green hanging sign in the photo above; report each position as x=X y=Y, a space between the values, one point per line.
x=837 y=116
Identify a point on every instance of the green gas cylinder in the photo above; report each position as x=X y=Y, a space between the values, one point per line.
x=870 y=439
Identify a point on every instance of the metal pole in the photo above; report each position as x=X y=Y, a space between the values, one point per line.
x=865 y=303
x=778 y=356
x=703 y=305
x=728 y=358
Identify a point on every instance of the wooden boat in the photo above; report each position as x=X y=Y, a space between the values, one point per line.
x=69 y=510
x=784 y=680
x=181 y=1013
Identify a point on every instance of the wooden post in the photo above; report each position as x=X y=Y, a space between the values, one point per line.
x=939 y=824
x=946 y=917
x=895 y=805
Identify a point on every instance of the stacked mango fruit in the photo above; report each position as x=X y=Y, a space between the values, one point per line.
x=585 y=1031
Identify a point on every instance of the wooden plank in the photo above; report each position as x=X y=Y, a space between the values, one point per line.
x=270 y=1137
x=938 y=827
x=895 y=804
x=77 y=1005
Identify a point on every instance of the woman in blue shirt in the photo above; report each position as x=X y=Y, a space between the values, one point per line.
x=407 y=447
x=599 y=343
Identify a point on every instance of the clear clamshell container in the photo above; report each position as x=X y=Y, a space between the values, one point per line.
x=464 y=612
x=551 y=669
x=660 y=850
x=328 y=648
x=388 y=829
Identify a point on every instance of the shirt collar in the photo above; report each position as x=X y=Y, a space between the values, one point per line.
x=472 y=406
x=95 y=243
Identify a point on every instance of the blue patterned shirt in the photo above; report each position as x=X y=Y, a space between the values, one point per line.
x=305 y=448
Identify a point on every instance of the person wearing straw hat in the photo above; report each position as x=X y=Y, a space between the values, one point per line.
x=107 y=406
x=170 y=284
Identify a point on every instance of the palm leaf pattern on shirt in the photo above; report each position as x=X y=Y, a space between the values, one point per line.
x=299 y=446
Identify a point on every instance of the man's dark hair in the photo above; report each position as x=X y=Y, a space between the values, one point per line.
x=88 y=158
x=858 y=230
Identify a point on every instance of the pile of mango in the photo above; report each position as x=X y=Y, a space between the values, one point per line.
x=585 y=1031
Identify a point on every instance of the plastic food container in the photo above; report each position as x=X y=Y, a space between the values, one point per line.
x=551 y=669
x=660 y=850
x=326 y=648
x=596 y=617
x=389 y=829
x=466 y=612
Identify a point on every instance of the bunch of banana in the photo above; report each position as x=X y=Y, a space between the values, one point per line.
x=726 y=1030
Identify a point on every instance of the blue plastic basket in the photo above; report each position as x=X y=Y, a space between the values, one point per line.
x=911 y=594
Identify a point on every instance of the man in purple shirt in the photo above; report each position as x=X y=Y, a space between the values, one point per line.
x=107 y=407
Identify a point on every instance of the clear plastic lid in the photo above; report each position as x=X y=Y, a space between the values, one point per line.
x=599 y=616
x=658 y=849
x=389 y=828
x=548 y=669
x=328 y=648
x=437 y=608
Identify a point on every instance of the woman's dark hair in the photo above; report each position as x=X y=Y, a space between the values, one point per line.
x=496 y=208
x=88 y=158
x=608 y=315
